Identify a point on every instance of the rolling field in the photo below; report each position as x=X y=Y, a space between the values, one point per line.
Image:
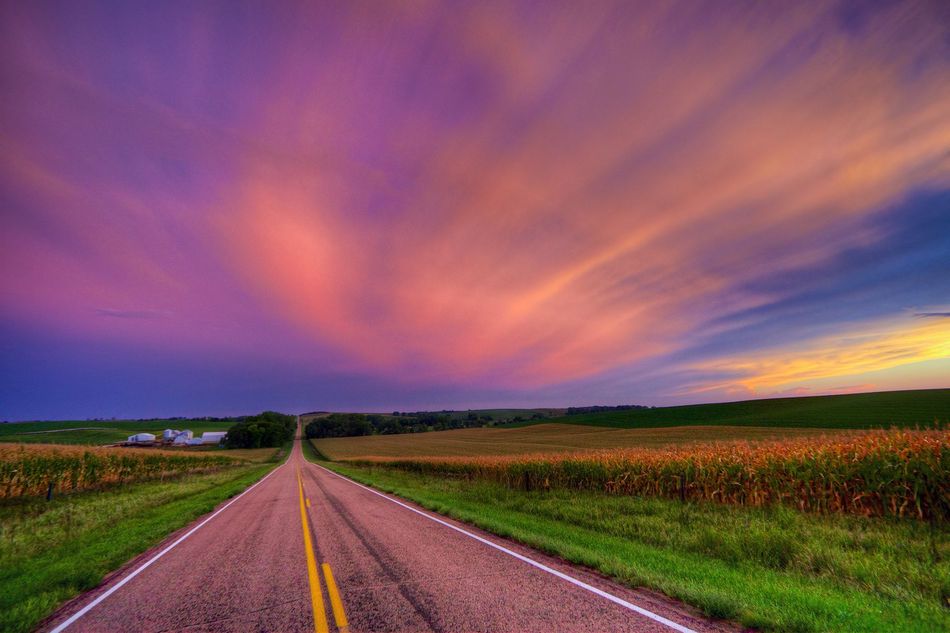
x=98 y=433
x=804 y=514
x=851 y=411
x=108 y=505
x=897 y=473
x=28 y=469
x=541 y=438
x=52 y=551
x=769 y=568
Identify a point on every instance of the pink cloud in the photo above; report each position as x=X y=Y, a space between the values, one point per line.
x=499 y=197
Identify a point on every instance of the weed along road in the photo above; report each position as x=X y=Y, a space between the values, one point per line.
x=308 y=550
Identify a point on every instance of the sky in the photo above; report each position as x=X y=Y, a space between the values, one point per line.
x=216 y=208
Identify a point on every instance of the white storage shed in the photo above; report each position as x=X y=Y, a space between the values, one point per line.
x=141 y=438
x=181 y=440
x=213 y=437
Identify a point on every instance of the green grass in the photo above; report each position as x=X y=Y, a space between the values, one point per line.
x=97 y=433
x=772 y=569
x=852 y=411
x=52 y=551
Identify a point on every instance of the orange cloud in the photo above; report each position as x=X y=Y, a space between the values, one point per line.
x=492 y=194
x=862 y=349
x=580 y=221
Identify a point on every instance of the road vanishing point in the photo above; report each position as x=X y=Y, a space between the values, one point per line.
x=305 y=549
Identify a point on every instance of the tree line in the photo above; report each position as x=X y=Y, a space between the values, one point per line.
x=355 y=424
x=268 y=429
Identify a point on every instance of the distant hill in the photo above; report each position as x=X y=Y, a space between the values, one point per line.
x=497 y=416
x=98 y=432
x=502 y=415
x=851 y=411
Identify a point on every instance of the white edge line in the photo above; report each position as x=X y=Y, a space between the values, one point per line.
x=532 y=562
x=145 y=565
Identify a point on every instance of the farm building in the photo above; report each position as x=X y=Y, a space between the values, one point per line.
x=169 y=434
x=183 y=437
x=141 y=438
x=213 y=437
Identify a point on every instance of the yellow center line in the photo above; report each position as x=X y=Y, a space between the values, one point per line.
x=316 y=597
x=338 y=615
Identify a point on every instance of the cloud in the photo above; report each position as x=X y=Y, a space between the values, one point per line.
x=587 y=219
x=868 y=347
x=497 y=197
x=132 y=314
x=933 y=314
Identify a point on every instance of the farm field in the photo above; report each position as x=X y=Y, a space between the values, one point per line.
x=98 y=433
x=29 y=469
x=778 y=528
x=851 y=411
x=897 y=473
x=542 y=438
x=52 y=550
x=773 y=569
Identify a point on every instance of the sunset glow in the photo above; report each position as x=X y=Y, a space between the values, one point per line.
x=410 y=205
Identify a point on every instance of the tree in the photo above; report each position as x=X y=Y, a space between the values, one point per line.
x=339 y=425
x=268 y=429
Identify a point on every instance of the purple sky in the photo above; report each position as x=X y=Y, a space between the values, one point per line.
x=215 y=208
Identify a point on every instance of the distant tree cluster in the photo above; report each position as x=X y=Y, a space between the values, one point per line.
x=260 y=431
x=598 y=409
x=443 y=421
x=174 y=418
x=354 y=424
x=339 y=425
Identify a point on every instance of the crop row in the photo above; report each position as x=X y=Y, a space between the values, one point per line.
x=30 y=469
x=877 y=473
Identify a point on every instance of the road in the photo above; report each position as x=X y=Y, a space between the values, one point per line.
x=307 y=550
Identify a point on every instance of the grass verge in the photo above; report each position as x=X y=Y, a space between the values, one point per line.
x=772 y=569
x=52 y=551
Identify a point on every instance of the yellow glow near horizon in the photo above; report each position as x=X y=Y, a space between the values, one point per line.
x=871 y=347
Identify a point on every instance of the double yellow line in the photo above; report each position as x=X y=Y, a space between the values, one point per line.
x=316 y=595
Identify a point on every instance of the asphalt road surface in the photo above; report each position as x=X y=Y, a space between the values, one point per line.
x=308 y=550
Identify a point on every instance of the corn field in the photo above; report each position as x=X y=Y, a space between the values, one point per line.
x=897 y=473
x=29 y=469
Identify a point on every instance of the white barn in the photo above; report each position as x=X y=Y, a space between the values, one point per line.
x=213 y=437
x=141 y=438
x=183 y=438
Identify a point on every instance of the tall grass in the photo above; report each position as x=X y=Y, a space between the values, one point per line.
x=897 y=473
x=30 y=469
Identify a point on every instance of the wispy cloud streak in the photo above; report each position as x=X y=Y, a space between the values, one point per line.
x=497 y=195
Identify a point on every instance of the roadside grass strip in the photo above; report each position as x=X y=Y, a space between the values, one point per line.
x=773 y=569
x=574 y=581
x=52 y=551
x=111 y=590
